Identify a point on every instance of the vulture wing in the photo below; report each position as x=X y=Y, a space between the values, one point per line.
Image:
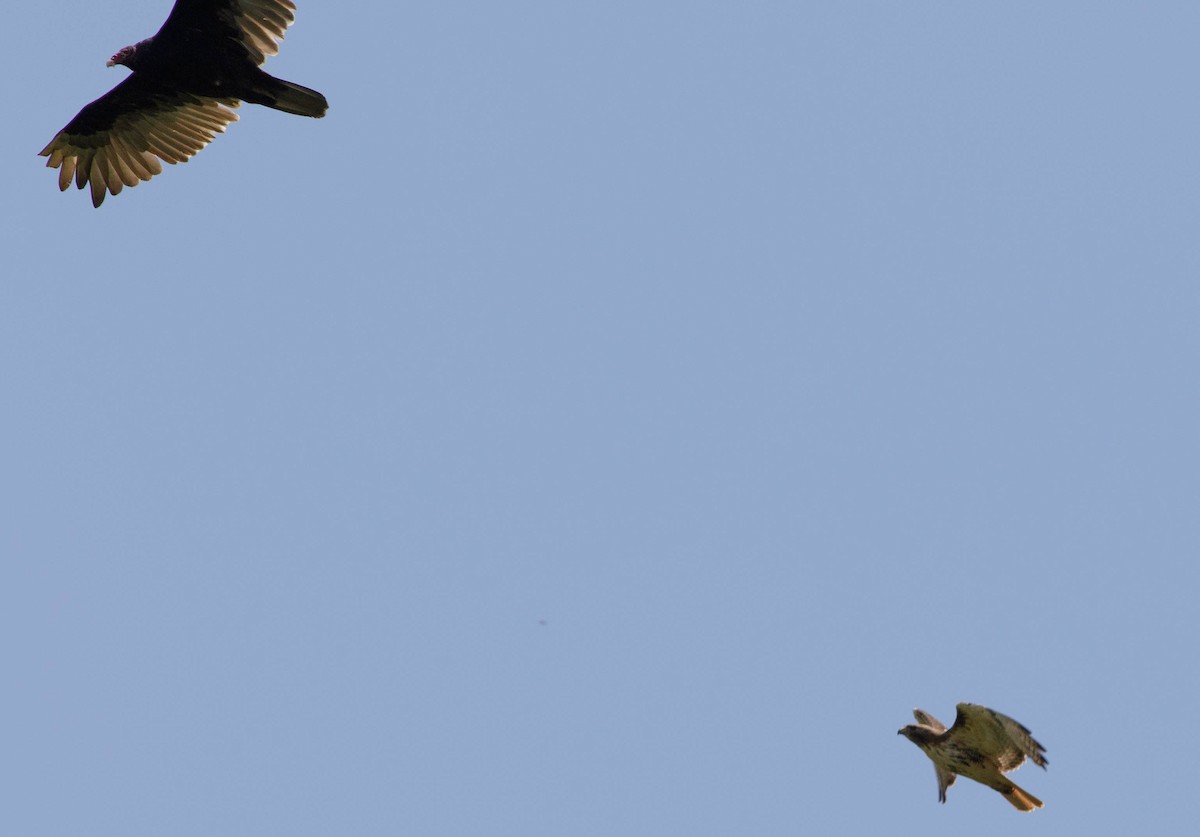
x=116 y=140
x=258 y=25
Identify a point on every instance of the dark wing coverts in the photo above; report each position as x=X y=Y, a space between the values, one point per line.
x=257 y=24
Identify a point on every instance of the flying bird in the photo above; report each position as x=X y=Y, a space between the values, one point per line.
x=186 y=81
x=982 y=745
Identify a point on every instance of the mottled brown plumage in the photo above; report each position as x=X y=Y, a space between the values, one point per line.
x=981 y=745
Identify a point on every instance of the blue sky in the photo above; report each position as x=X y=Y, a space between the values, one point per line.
x=612 y=419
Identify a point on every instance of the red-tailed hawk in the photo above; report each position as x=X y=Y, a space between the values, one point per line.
x=982 y=745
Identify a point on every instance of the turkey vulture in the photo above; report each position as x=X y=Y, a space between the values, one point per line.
x=185 y=82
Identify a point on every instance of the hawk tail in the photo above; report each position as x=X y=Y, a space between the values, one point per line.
x=1021 y=799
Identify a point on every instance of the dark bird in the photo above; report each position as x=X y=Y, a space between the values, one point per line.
x=982 y=745
x=186 y=80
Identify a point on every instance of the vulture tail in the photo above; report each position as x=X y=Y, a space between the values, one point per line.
x=289 y=97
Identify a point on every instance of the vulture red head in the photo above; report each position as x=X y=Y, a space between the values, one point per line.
x=123 y=56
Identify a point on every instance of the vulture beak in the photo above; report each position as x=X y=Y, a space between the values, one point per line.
x=110 y=63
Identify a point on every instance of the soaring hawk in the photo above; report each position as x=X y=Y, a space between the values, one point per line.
x=982 y=745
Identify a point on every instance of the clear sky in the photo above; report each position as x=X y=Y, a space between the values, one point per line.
x=612 y=420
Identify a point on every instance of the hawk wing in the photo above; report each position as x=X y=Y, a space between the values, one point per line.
x=927 y=720
x=998 y=737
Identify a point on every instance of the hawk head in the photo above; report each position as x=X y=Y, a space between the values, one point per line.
x=921 y=736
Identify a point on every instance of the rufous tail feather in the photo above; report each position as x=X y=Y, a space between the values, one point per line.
x=1021 y=799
